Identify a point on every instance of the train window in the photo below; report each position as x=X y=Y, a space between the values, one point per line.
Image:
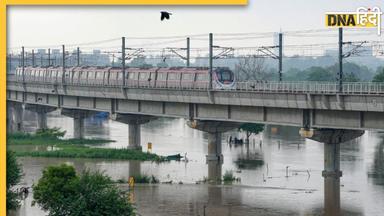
x=187 y=76
x=144 y=76
x=132 y=76
x=99 y=75
x=112 y=75
x=161 y=76
x=202 y=77
x=225 y=75
x=173 y=76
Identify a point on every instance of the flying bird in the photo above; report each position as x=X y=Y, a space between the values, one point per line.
x=164 y=15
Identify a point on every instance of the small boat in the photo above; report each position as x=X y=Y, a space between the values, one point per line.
x=174 y=157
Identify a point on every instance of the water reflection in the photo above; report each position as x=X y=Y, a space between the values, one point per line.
x=376 y=172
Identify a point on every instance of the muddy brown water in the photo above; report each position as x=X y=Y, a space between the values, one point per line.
x=264 y=188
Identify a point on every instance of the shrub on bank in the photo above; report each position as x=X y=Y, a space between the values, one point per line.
x=61 y=191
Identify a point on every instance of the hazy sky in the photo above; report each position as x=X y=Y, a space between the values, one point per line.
x=45 y=25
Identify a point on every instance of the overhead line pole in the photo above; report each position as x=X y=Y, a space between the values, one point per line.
x=210 y=59
x=340 y=72
x=123 y=58
x=280 y=57
x=33 y=58
x=78 y=56
x=63 y=77
x=188 y=52
x=49 y=57
x=22 y=64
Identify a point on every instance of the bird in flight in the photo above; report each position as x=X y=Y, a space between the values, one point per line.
x=164 y=15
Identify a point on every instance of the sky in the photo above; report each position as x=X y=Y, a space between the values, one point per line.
x=55 y=25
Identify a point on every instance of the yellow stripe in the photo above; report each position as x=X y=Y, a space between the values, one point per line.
x=127 y=2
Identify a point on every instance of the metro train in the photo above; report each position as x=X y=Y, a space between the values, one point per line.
x=173 y=77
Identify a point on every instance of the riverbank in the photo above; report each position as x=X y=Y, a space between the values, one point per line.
x=58 y=147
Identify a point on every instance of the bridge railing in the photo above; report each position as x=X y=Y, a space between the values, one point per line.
x=249 y=86
x=311 y=87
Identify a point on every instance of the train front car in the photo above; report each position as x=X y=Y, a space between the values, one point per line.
x=223 y=78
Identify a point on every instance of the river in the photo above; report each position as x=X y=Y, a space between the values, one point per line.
x=264 y=189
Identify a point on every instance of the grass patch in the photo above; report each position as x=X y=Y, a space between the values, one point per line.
x=87 y=152
x=49 y=137
x=74 y=148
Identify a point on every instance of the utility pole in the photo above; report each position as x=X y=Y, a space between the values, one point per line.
x=188 y=51
x=22 y=63
x=123 y=58
x=78 y=56
x=210 y=59
x=340 y=73
x=9 y=61
x=33 y=58
x=280 y=56
x=63 y=78
x=49 y=57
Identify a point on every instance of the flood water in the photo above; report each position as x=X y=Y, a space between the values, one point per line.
x=264 y=188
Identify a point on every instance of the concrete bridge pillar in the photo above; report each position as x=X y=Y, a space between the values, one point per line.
x=134 y=127
x=42 y=120
x=214 y=157
x=214 y=146
x=41 y=112
x=15 y=117
x=78 y=120
x=134 y=168
x=9 y=118
x=134 y=135
x=332 y=138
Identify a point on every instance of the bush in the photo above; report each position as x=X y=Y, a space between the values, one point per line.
x=228 y=177
x=13 y=176
x=62 y=192
x=50 y=133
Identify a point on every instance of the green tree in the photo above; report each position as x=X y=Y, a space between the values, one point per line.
x=62 y=192
x=251 y=128
x=379 y=77
x=319 y=74
x=13 y=177
x=351 y=77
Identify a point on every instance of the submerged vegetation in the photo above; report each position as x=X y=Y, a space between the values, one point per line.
x=73 y=148
x=51 y=136
x=228 y=177
x=87 y=152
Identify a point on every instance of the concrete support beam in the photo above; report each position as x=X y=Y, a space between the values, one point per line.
x=214 y=157
x=78 y=127
x=15 y=117
x=214 y=130
x=214 y=171
x=134 y=123
x=9 y=120
x=332 y=138
x=42 y=120
x=134 y=135
x=214 y=147
x=78 y=120
x=41 y=112
x=134 y=168
x=331 y=174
